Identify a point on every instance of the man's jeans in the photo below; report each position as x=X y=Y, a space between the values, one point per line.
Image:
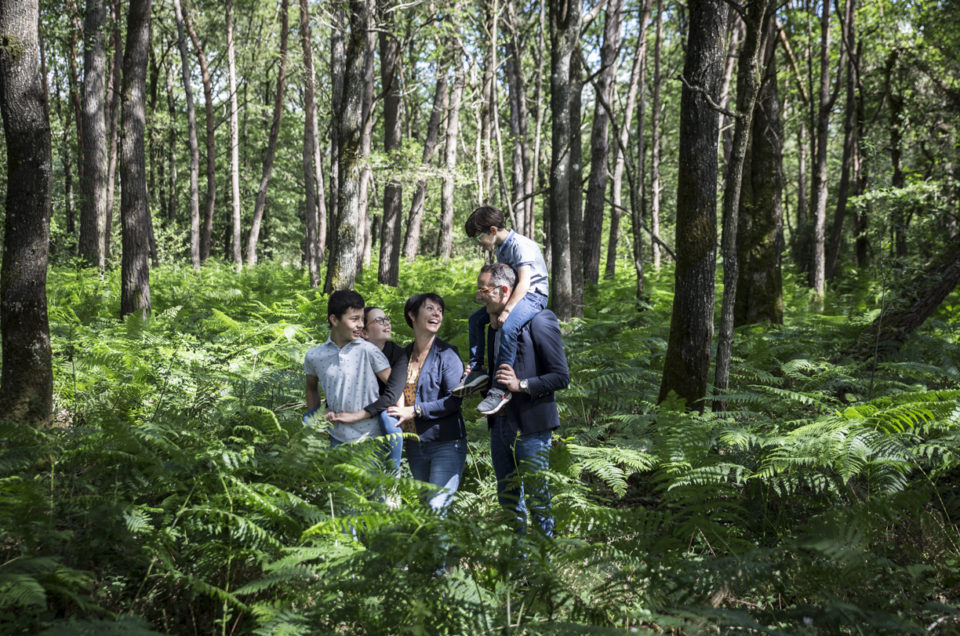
x=440 y=464
x=526 y=309
x=516 y=461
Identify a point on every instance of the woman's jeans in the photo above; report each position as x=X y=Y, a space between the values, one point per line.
x=517 y=460
x=440 y=464
x=520 y=315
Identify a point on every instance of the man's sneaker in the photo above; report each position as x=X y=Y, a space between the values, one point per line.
x=496 y=399
x=474 y=380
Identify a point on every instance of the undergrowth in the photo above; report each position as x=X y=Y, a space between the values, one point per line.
x=178 y=491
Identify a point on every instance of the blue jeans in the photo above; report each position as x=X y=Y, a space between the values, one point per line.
x=440 y=464
x=517 y=459
x=392 y=443
x=520 y=315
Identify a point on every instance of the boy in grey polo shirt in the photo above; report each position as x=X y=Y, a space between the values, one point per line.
x=346 y=366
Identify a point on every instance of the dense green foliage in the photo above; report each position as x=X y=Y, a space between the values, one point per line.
x=179 y=492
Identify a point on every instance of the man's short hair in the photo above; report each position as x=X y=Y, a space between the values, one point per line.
x=342 y=300
x=501 y=274
x=415 y=302
x=481 y=219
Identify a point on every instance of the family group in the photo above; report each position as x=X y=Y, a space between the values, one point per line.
x=374 y=388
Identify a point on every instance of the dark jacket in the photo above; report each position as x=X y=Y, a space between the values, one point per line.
x=442 y=420
x=541 y=361
x=391 y=390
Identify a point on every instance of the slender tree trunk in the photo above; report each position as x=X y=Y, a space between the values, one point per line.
x=310 y=150
x=191 y=138
x=271 y=152
x=66 y=152
x=134 y=207
x=616 y=185
x=26 y=376
x=170 y=203
x=564 y=34
x=576 y=182
x=389 y=270
x=488 y=106
x=897 y=180
x=116 y=77
x=735 y=29
x=655 y=187
x=600 y=147
x=411 y=243
x=535 y=175
x=748 y=86
x=759 y=288
x=77 y=113
x=94 y=184
x=344 y=263
x=366 y=175
x=210 y=197
x=522 y=185
x=337 y=73
x=687 y=361
x=445 y=243
x=851 y=151
x=234 y=140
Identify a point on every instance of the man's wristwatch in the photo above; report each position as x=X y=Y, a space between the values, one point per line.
x=525 y=386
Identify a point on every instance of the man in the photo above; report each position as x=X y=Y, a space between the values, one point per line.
x=347 y=367
x=520 y=433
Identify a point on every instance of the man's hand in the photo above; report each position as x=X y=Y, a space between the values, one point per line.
x=347 y=417
x=508 y=379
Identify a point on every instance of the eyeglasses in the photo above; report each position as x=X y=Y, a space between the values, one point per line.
x=486 y=290
x=381 y=320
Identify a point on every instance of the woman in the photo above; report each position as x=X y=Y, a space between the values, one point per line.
x=433 y=369
x=377 y=330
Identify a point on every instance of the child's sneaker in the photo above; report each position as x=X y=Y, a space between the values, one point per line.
x=496 y=399
x=473 y=380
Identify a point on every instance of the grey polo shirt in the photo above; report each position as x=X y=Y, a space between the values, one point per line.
x=348 y=378
x=518 y=250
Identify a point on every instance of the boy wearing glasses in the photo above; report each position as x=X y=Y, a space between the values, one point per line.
x=486 y=225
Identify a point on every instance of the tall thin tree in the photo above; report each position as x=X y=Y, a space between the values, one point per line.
x=191 y=138
x=310 y=151
x=93 y=186
x=234 y=139
x=388 y=272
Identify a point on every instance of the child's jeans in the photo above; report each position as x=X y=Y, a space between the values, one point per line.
x=520 y=315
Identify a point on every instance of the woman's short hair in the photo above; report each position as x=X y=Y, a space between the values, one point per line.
x=415 y=302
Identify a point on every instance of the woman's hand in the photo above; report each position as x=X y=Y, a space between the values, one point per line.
x=402 y=413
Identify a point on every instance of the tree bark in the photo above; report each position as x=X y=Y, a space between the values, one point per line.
x=210 y=197
x=271 y=151
x=365 y=245
x=389 y=270
x=26 y=376
x=564 y=33
x=600 y=147
x=344 y=259
x=748 y=85
x=576 y=182
x=93 y=212
x=522 y=184
x=134 y=207
x=310 y=150
x=445 y=242
x=687 y=362
x=616 y=185
x=411 y=243
x=655 y=187
x=760 y=232
x=234 y=140
x=191 y=139
x=337 y=73
x=116 y=78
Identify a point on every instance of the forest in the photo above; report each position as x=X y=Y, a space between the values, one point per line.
x=750 y=216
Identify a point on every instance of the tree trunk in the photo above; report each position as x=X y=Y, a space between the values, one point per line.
x=600 y=147
x=655 y=187
x=445 y=242
x=26 y=377
x=116 y=77
x=210 y=197
x=687 y=362
x=134 y=208
x=848 y=169
x=897 y=179
x=93 y=212
x=310 y=149
x=271 y=151
x=576 y=182
x=344 y=262
x=411 y=243
x=337 y=72
x=366 y=139
x=234 y=140
x=77 y=111
x=564 y=34
x=488 y=106
x=759 y=239
x=192 y=140
x=616 y=186
x=535 y=175
x=748 y=85
x=389 y=270
x=522 y=184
